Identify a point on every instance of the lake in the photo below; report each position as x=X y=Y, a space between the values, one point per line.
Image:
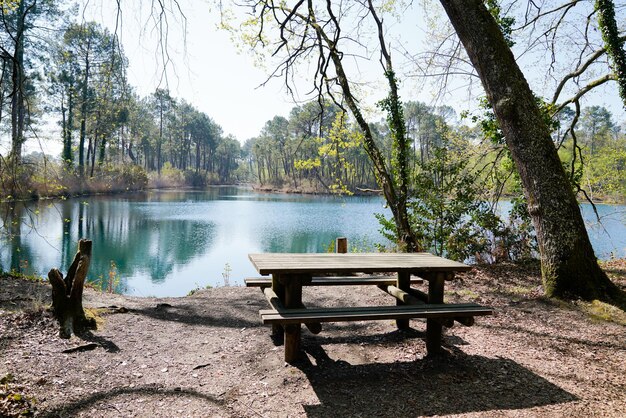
x=166 y=243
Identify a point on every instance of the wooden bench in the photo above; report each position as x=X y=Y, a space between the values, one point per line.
x=335 y=281
x=366 y=313
x=291 y=272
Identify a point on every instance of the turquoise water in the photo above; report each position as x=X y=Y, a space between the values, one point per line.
x=166 y=243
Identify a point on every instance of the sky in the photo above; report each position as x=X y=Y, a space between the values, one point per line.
x=211 y=74
x=208 y=71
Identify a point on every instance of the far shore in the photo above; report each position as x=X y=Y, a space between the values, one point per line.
x=261 y=188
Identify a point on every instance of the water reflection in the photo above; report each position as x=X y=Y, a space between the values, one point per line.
x=126 y=241
x=167 y=243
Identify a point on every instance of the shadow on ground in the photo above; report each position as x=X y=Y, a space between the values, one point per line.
x=240 y=314
x=104 y=401
x=453 y=383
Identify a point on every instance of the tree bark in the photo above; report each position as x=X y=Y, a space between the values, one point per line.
x=83 y=113
x=568 y=264
x=67 y=294
x=18 y=108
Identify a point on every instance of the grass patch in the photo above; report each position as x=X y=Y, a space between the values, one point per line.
x=521 y=290
x=97 y=315
x=198 y=288
x=602 y=311
x=17 y=275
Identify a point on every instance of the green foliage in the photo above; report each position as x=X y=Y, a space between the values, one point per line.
x=196 y=179
x=596 y=163
x=46 y=179
x=445 y=205
x=198 y=288
x=110 y=284
x=605 y=174
x=612 y=42
x=504 y=22
x=9 y=5
x=447 y=209
x=333 y=152
x=400 y=150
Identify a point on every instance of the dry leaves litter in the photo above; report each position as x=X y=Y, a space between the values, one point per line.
x=208 y=355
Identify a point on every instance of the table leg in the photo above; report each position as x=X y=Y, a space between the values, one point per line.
x=279 y=289
x=293 y=299
x=434 y=327
x=404 y=283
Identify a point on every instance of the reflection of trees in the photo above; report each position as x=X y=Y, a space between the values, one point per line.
x=120 y=233
x=131 y=239
x=174 y=242
x=66 y=249
x=299 y=242
x=15 y=251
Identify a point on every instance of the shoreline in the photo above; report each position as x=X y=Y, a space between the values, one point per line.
x=257 y=188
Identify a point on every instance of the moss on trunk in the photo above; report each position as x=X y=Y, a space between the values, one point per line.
x=569 y=266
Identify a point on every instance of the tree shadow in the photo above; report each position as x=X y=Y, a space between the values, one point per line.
x=392 y=337
x=108 y=345
x=238 y=316
x=453 y=383
x=74 y=407
x=552 y=336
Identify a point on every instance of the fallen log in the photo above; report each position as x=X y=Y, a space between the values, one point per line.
x=67 y=293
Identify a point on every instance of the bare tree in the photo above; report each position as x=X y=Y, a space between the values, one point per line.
x=316 y=33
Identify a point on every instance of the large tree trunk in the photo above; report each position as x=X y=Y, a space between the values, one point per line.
x=18 y=107
x=83 y=112
x=67 y=294
x=568 y=264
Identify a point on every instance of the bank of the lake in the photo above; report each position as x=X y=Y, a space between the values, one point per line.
x=169 y=242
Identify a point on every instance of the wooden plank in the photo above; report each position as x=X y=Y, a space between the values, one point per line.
x=278 y=333
x=418 y=294
x=401 y=295
x=341 y=245
x=274 y=301
x=434 y=328
x=409 y=299
x=437 y=307
x=269 y=263
x=296 y=316
x=403 y=283
x=293 y=299
x=335 y=281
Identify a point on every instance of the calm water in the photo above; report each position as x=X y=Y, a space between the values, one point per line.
x=167 y=243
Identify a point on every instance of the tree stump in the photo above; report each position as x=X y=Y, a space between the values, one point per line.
x=67 y=294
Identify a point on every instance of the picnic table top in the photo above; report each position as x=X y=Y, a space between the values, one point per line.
x=294 y=263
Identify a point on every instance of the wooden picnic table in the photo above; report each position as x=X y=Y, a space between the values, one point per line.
x=290 y=272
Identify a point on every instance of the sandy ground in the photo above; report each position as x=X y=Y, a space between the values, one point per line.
x=209 y=355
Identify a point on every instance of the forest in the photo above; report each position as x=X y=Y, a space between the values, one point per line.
x=75 y=85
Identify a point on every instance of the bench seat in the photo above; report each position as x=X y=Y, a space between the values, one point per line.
x=335 y=281
x=297 y=316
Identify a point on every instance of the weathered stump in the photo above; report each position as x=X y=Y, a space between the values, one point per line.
x=67 y=294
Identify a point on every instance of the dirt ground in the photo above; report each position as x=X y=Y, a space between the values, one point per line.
x=209 y=355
